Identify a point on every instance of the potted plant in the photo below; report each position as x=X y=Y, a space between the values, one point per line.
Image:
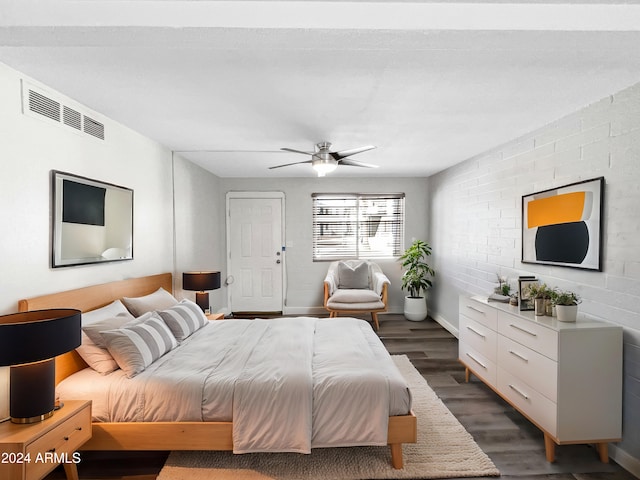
x=566 y=303
x=541 y=295
x=416 y=279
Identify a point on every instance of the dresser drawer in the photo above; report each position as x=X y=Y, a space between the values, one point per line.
x=58 y=445
x=481 y=338
x=478 y=311
x=530 y=334
x=529 y=401
x=539 y=371
x=484 y=368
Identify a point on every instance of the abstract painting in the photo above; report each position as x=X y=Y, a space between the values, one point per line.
x=563 y=226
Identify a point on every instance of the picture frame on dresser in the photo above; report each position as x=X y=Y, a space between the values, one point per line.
x=525 y=301
x=563 y=226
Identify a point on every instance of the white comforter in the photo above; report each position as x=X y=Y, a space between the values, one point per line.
x=288 y=384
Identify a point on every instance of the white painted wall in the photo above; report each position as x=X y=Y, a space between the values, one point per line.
x=475 y=210
x=30 y=148
x=199 y=227
x=305 y=277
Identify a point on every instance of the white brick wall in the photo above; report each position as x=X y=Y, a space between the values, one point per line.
x=475 y=213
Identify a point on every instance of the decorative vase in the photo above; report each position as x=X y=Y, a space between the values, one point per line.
x=567 y=313
x=548 y=308
x=415 y=308
x=538 y=306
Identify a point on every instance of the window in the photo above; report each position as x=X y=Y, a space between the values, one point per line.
x=350 y=225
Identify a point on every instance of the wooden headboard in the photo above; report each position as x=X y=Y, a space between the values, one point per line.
x=90 y=298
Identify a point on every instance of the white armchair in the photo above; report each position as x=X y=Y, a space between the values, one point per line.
x=355 y=286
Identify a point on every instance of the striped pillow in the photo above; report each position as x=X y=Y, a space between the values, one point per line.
x=184 y=319
x=136 y=347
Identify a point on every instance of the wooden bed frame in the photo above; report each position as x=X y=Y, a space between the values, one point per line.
x=164 y=435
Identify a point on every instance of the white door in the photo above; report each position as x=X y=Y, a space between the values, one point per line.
x=255 y=253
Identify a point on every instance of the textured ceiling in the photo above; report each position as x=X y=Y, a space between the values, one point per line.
x=227 y=84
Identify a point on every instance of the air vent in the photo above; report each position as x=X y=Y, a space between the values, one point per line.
x=43 y=105
x=72 y=118
x=94 y=128
x=38 y=104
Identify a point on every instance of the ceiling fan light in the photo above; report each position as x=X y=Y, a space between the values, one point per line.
x=322 y=166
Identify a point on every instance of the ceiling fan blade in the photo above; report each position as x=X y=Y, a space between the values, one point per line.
x=352 y=151
x=289 y=164
x=353 y=163
x=296 y=151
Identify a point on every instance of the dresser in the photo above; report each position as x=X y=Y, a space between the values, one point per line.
x=566 y=378
x=31 y=451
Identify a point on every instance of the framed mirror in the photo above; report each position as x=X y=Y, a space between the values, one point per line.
x=92 y=221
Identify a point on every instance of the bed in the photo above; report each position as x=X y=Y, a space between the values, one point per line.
x=189 y=432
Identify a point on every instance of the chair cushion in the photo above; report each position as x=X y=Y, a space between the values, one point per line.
x=358 y=295
x=353 y=276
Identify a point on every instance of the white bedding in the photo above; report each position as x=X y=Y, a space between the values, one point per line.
x=289 y=384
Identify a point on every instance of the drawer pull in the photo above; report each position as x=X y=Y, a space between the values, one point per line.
x=516 y=354
x=476 y=332
x=523 y=330
x=477 y=361
x=78 y=429
x=519 y=392
x=476 y=309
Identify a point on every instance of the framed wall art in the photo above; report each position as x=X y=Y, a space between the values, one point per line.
x=563 y=226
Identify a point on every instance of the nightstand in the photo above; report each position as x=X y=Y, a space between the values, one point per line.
x=31 y=451
x=215 y=316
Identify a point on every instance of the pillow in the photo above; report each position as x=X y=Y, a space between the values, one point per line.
x=95 y=354
x=96 y=357
x=112 y=310
x=136 y=347
x=158 y=300
x=184 y=319
x=94 y=330
x=356 y=276
x=99 y=358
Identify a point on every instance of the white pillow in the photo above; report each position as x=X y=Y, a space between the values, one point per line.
x=98 y=357
x=158 y=300
x=183 y=319
x=137 y=346
x=112 y=310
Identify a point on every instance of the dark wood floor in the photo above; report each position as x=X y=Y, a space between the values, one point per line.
x=514 y=445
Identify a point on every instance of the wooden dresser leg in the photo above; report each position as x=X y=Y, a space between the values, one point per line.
x=549 y=448
x=467 y=374
x=603 y=451
x=396 y=455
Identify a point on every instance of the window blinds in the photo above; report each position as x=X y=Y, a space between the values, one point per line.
x=351 y=225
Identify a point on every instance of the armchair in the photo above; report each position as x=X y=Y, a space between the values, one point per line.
x=355 y=286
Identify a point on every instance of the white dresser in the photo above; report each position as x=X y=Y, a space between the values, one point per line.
x=566 y=378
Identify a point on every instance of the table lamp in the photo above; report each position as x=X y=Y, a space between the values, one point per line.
x=29 y=343
x=200 y=282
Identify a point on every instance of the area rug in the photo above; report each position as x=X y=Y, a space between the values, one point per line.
x=444 y=450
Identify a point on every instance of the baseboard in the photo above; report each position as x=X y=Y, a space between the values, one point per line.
x=626 y=461
x=446 y=325
x=321 y=311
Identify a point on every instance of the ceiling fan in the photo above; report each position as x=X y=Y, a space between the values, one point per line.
x=324 y=160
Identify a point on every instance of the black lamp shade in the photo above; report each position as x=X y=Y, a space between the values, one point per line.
x=201 y=281
x=29 y=341
x=38 y=335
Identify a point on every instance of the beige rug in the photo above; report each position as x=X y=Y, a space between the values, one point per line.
x=444 y=450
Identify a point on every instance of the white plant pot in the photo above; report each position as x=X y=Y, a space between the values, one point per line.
x=567 y=313
x=415 y=309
